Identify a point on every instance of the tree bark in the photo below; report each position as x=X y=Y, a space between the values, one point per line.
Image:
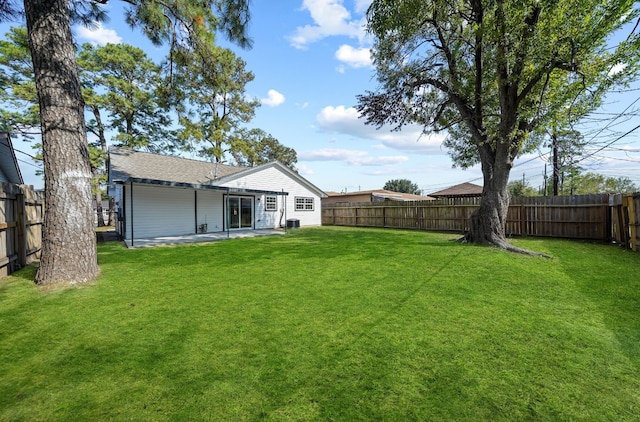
x=69 y=241
x=99 y=131
x=487 y=223
x=98 y=198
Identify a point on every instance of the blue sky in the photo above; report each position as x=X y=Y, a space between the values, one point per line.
x=310 y=59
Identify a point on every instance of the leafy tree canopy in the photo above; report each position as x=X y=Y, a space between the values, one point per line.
x=19 y=112
x=495 y=75
x=211 y=99
x=520 y=188
x=574 y=182
x=122 y=80
x=255 y=147
x=402 y=185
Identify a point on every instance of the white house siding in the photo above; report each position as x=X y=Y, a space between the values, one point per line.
x=274 y=179
x=210 y=204
x=159 y=211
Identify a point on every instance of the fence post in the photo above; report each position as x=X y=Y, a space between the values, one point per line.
x=21 y=228
x=632 y=222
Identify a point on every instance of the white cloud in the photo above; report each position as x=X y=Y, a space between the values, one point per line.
x=354 y=57
x=345 y=120
x=351 y=157
x=330 y=18
x=617 y=69
x=362 y=5
x=332 y=154
x=99 y=35
x=274 y=98
x=379 y=161
x=304 y=170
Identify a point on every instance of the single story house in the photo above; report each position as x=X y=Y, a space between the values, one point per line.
x=158 y=195
x=9 y=169
x=463 y=190
x=377 y=195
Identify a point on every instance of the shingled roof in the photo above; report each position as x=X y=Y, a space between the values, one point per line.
x=127 y=164
x=461 y=190
x=381 y=194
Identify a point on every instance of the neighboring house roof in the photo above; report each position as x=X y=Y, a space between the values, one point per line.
x=9 y=169
x=126 y=165
x=461 y=190
x=245 y=171
x=380 y=194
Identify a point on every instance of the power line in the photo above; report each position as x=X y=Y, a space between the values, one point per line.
x=610 y=143
x=28 y=163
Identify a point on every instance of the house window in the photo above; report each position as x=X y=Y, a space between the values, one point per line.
x=304 y=204
x=270 y=203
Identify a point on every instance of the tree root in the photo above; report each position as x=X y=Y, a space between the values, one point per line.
x=501 y=244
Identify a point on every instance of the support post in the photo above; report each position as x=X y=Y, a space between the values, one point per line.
x=21 y=228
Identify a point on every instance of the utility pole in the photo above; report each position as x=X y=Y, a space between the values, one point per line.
x=556 y=166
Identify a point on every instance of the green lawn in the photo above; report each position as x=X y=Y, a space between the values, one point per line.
x=329 y=324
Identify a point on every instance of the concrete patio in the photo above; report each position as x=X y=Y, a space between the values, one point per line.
x=199 y=238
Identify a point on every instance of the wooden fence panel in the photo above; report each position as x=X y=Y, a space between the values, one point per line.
x=8 y=255
x=575 y=217
x=633 y=220
x=21 y=211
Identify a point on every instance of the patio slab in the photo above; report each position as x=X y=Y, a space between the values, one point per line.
x=198 y=238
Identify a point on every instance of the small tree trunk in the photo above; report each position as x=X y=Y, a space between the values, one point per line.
x=112 y=211
x=69 y=240
x=98 y=197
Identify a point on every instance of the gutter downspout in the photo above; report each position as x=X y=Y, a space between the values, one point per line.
x=131 y=194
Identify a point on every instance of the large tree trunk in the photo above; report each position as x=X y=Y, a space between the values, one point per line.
x=69 y=241
x=487 y=223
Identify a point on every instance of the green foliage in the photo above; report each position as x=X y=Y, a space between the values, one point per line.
x=255 y=147
x=495 y=75
x=19 y=112
x=573 y=182
x=211 y=99
x=198 y=21
x=402 y=185
x=277 y=333
x=122 y=80
x=520 y=188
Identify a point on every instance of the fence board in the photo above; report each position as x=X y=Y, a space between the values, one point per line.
x=21 y=211
x=575 y=217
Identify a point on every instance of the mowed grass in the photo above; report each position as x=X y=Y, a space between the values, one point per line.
x=329 y=324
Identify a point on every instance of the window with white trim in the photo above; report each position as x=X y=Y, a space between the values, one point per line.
x=270 y=203
x=304 y=204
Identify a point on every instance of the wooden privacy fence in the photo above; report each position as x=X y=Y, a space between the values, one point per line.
x=576 y=217
x=21 y=211
x=625 y=220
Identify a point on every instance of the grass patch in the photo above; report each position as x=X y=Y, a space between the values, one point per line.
x=329 y=324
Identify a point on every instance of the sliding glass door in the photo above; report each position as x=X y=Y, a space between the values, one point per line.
x=240 y=212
